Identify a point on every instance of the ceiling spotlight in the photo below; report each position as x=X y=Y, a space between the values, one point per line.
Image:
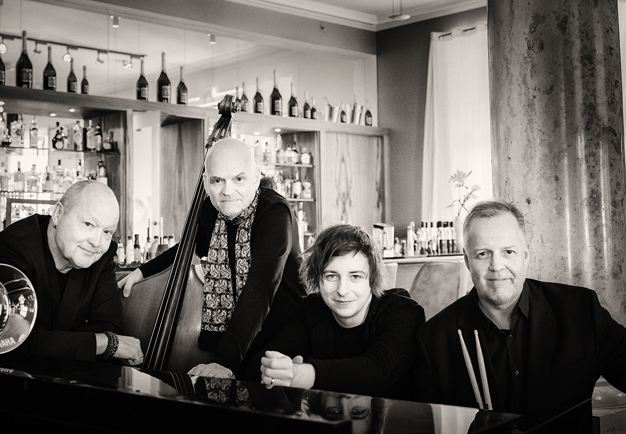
x=211 y=39
x=128 y=64
x=67 y=57
x=3 y=46
x=98 y=58
x=37 y=50
x=400 y=16
x=116 y=22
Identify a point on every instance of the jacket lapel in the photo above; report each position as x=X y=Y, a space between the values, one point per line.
x=541 y=339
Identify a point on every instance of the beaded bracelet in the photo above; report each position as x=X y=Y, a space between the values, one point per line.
x=112 y=345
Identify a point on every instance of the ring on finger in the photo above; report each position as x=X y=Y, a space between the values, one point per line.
x=272 y=382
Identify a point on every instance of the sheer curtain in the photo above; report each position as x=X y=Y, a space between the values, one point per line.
x=456 y=127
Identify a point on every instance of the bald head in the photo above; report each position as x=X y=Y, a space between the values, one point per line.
x=91 y=191
x=231 y=176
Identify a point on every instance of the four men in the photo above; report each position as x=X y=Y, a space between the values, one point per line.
x=512 y=344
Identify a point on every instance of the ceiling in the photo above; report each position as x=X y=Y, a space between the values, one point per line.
x=87 y=24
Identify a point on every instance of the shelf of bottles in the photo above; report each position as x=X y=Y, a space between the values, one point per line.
x=287 y=166
x=41 y=157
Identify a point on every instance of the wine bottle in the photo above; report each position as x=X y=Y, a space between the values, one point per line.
x=71 y=79
x=368 y=116
x=313 y=109
x=182 y=96
x=164 y=87
x=259 y=106
x=49 y=74
x=142 y=85
x=276 y=101
x=24 y=69
x=84 y=84
x=293 y=104
x=3 y=73
x=306 y=109
x=237 y=99
x=244 y=98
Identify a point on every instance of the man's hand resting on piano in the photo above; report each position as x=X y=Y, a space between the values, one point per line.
x=211 y=370
x=129 y=280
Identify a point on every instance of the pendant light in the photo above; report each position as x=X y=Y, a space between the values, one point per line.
x=400 y=16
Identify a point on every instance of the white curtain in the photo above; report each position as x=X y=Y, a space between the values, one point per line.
x=457 y=126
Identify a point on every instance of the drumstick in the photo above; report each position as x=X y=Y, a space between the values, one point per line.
x=483 y=372
x=470 y=371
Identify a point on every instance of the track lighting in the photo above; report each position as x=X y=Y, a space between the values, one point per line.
x=67 y=57
x=116 y=22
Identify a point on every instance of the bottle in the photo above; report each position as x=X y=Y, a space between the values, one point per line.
x=16 y=129
x=57 y=139
x=91 y=136
x=410 y=242
x=84 y=84
x=147 y=249
x=101 y=174
x=293 y=104
x=49 y=74
x=343 y=118
x=244 y=98
x=32 y=180
x=368 y=116
x=4 y=178
x=305 y=157
x=164 y=87
x=98 y=138
x=142 y=85
x=453 y=236
x=4 y=130
x=121 y=255
x=72 y=84
x=170 y=241
x=280 y=153
x=47 y=183
x=68 y=180
x=237 y=99
x=24 y=69
x=306 y=189
x=130 y=251
x=313 y=109
x=19 y=178
x=154 y=247
x=137 y=250
x=276 y=101
x=33 y=134
x=182 y=96
x=78 y=134
x=306 y=109
x=296 y=187
x=3 y=73
x=259 y=106
x=58 y=178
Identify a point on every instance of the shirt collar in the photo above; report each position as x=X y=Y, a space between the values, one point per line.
x=522 y=307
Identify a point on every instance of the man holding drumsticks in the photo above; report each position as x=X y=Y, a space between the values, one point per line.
x=516 y=344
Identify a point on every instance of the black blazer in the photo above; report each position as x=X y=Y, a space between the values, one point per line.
x=66 y=323
x=572 y=341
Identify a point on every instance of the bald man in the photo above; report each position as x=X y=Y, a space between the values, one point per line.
x=250 y=236
x=68 y=257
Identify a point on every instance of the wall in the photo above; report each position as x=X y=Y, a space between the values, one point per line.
x=402 y=65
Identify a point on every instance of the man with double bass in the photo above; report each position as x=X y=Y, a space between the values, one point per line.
x=250 y=238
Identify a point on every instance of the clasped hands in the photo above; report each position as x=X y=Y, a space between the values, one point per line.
x=278 y=369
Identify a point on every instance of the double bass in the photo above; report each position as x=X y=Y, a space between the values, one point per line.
x=163 y=310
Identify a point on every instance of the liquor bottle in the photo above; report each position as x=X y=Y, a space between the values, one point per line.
x=58 y=178
x=80 y=172
x=78 y=133
x=306 y=109
x=147 y=249
x=137 y=250
x=84 y=84
x=102 y=173
x=33 y=134
x=259 y=106
x=19 y=178
x=154 y=246
x=293 y=104
x=164 y=87
x=237 y=99
x=244 y=98
x=32 y=180
x=276 y=101
x=368 y=116
x=130 y=253
x=182 y=96
x=305 y=157
x=24 y=69
x=72 y=84
x=91 y=137
x=306 y=189
x=98 y=138
x=4 y=178
x=49 y=74
x=296 y=187
x=343 y=117
x=142 y=85
x=57 y=139
x=3 y=73
x=121 y=255
x=47 y=183
x=313 y=109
